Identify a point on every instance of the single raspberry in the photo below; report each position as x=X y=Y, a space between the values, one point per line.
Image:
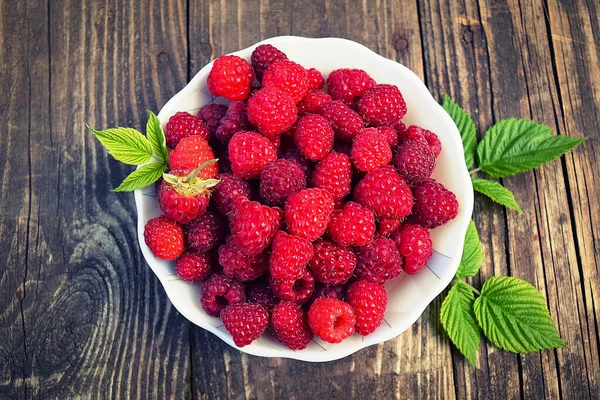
x=307 y=212
x=370 y=150
x=249 y=153
x=275 y=141
x=263 y=56
x=218 y=292
x=332 y=264
x=399 y=126
x=369 y=301
x=205 y=232
x=312 y=102
x=194 y=266
x=289 y=256
x=315 y=80
x=191 y=152
x=334 y=173
x=414 y=161
x=279 y=179
x=433 y=141
x=352 y=226
x=434 y=204
x=164 y=237
x=211 y=114
x=234 y=120
x=182 y=125
x=230 y=77
x=314 y=136
x=229 y=188
x=272 y=111
x=388 y=226
x=345 y=121
x=245 y=322
x=331 y=319
x=287 y=76
x=385 y=192
x=415 y=245
x=421 y=135
x=237 y=264
x=379 y=261
x=347 y=83
x=296 y=290
x=328 y=292
x=382 y=105
x=290 y=324
x=293 y=154
x=253 y=225
x=390 y=135
x=260 y=292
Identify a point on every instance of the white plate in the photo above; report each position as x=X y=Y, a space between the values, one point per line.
x=408 y=296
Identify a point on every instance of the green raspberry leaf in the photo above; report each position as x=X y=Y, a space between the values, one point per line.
x=465 y=126
x=125 y=144
x=142 y=177
x=472 y=255
x=513 y=316
x=496 y=192
x=156 y=136
x=458 y=319
x=516 y=145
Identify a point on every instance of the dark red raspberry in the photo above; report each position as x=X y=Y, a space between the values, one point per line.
x=182 y=125
x=344 y=148
x=183 y=198
x=382 y=105
x=334 y=173
x=379 y=261
x=260 y=292
x=224 y=163
x=414 y=161
x=230 y=77
x=289 y=256
x=352 y=226
x=234 y=120
x=272 y=111
x=287 y=76
x=249 y=153
x=315 y=80
x=434 y=204
x=385 y=193
x=211 y=114
x=328 y=291
x=279 y=179
x=414 y=244
x=263 y=56
x=388 y=226
x=345 y=121
x=370 y=150
x=399 y=126
x=205 y=232
x=293 y=154
x=164 y=237
x=229 y=188
x=314 y=136
x=253 y=225
x=312 y=102
x=347 y=83
x=332 y=264
x=275 y=141
x=245 y=322
x=433 y=141
x=194 y=266
x=237 y=264
x=290 y=324
x=369 y=301
x=307 y=212
x=296 y=290
x=191 y=152
x=421 y=135
x=390 y=135
x=218 y=292
x=331 y=319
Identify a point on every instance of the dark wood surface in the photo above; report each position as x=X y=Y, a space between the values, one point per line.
x=81 y=314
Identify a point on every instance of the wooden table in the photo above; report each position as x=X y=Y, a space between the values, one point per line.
x=81 y=314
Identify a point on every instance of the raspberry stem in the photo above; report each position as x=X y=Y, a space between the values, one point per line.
x=475 y=170
x=477 y=292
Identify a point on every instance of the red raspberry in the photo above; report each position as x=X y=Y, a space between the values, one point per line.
x=312 y=102
x=331 y=319
x=315 y=80
x=421 y=135
x=382 y=105
x=328 y=292
x=272 y=111
x=370 y=150
x=334 y=173
x=399 y=127
x=164 y=237
x=379 y=261
x=307 y=212
x=204 y=233
x=229 y=188
x=279 y=179
x=260 y=292
x=369 y=301
x=414 y=244
x=249 y=153
x=388 y=226
x=182 y=125
x=296 y=290
x=293 y=154
x=332 y=264
x=230 y=77
x=434 y=204
x=237 y=264
x=314 y=136
x=385 y=193
x=191 y=152
x=263 y=56
x=218 y=292
x=287 y=76
x=253 y=225
x=347 y=83
x=345 y=121
x=390 y=135
x=290 y=324
x=414 y=161
x=234 y=120
x=183 y=197
x=245 y=322
x=193 y=266
x=275 y=141
x=211 y=114
x=433 y=141
x=289 y=256
x=352 y=226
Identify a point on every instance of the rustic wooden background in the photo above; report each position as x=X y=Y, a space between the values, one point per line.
x=82 y=315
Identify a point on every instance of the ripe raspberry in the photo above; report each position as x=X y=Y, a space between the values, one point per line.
x=382 y=105
x=334 y=173
x=414 y=244
x=433 y=141
x=253 y=225
x=369 y=301
x=164 y=237
x=390 y=135
x=293 y=154
x=388 y=226
x=191 y=152
x=245 y=322
x=311 y=103
x=229 y=188
x=218 y=292
x=379 y=261
x=263 y=56
x=414 y=161
x=275 y=141
x=287 y=76
x=352 y=226
x=194 y=266
x=345 y=121
x=399 y=127
x=314 y=136
x=315 y=80
x=290 y=324
x=331 y=319
x=249 y=153
x=434 y=204
x=289 y=256
x=385 y=193
x=237 y=264
x=332 y=264
x=230 y=77
x=296 y=290
x=370 y=150
x=421 y=135
x=260 y=292
x=182 y=125
x=211 y=114
x=307 y=213
x=272 y=111
x=279 y=179
x=328 y=292
x=234 y=120
x=347 y=83
x=204 y=233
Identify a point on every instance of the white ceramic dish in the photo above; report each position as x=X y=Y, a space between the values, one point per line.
x=408 y=296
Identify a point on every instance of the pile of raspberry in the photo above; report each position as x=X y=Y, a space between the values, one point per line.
x=319 y=197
